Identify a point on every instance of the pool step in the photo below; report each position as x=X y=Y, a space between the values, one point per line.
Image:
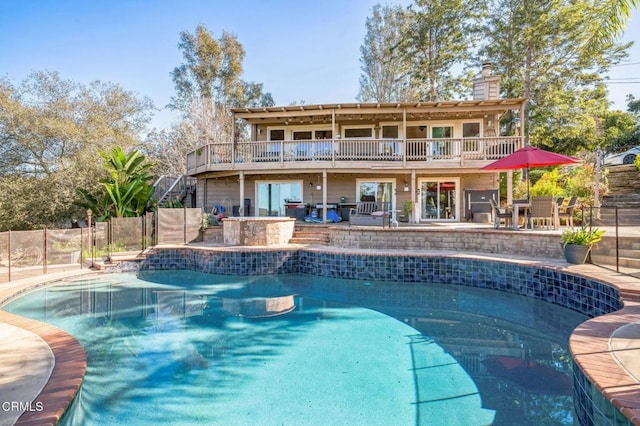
x=113 y=260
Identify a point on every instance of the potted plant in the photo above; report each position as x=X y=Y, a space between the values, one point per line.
x=577 y=243
x=407 y=210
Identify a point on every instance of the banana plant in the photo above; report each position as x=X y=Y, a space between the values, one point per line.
x=127 y=190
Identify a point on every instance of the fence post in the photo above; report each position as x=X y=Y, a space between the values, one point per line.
x=81 y=242
x=9 y=254
x=109 y=238
x=144 y=231
x=44 y=250
x=93 y=243
x=617 y=241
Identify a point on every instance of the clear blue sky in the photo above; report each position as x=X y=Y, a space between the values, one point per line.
x=300 y=50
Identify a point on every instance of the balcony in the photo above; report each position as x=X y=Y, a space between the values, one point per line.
x=469 y=153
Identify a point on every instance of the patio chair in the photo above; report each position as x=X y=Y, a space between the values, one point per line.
x=499 y=215
x=541 y=211
x=566 y=212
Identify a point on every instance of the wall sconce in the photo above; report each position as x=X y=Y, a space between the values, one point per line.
x=490 y=124
x=318 y=186
x=406 y=186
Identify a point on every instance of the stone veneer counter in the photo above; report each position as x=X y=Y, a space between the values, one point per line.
x=257 y=231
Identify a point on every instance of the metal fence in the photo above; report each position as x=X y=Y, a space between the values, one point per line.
x=621 y=246
x=25 y=254
x=31 y=253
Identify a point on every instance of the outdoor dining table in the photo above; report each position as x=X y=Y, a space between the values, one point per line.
x=515 y=210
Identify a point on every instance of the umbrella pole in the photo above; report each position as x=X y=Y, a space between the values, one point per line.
x=528 y=185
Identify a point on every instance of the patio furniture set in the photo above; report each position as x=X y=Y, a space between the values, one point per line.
x=539 y=210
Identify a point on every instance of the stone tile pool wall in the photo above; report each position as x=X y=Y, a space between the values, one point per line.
x=585 y=295
x=577 y=293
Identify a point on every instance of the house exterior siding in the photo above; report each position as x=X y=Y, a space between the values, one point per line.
x=331 y=154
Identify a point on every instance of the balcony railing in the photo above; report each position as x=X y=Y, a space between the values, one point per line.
x=349 y=150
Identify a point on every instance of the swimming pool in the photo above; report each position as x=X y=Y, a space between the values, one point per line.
x=185 y=347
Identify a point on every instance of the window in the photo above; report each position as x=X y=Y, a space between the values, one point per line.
x=366 y=132
x=416 y=132
x=442 y=132
x=276 y=134
x=272 y=196
x=438 y=199
x=300 y=136
x=470 y=130
x=441 y=149
x=375 y=191
x=324 y=134
x=390 y=132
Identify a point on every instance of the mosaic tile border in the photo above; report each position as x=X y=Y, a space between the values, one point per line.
x=585 y=295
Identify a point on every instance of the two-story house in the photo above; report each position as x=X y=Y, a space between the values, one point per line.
x=334 y=155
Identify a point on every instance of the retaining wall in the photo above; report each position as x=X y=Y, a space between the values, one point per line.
x=506 y=242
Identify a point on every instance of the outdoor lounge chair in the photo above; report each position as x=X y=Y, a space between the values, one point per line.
x=499 y=215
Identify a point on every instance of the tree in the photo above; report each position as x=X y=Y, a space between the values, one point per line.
x=633 y=105
x=608 y=22
x=620 y=131
x=212 y=74
x=208 y=84
x=385 y=72
x=543 y=53
x=440 y=36
x=50 y=133
x=126 y=191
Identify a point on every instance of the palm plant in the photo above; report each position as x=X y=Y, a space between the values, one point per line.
x=127 y=190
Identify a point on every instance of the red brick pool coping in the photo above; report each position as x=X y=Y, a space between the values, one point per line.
x=70 y=359
x=614 y=372
x=66 y=377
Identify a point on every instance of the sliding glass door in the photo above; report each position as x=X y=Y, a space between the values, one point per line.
x=272 y=196
x=439 y=199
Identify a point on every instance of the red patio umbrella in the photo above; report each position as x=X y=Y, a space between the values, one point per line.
x=527 y=157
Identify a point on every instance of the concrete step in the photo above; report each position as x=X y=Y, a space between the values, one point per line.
x=624 y=243
x=627 y=207
x=309 y=235
x=610 y=220
x=608 y=259
x=320 y=241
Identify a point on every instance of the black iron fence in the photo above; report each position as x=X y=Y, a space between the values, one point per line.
x=620 y=247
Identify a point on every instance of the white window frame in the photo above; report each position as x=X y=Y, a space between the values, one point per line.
x=268 y=181
x=374 y=179
x=439 y=179
x=362 y=126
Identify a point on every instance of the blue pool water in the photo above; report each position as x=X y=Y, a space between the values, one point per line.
x=182 y=347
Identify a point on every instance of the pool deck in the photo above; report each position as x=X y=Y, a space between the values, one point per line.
x=607 y=348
